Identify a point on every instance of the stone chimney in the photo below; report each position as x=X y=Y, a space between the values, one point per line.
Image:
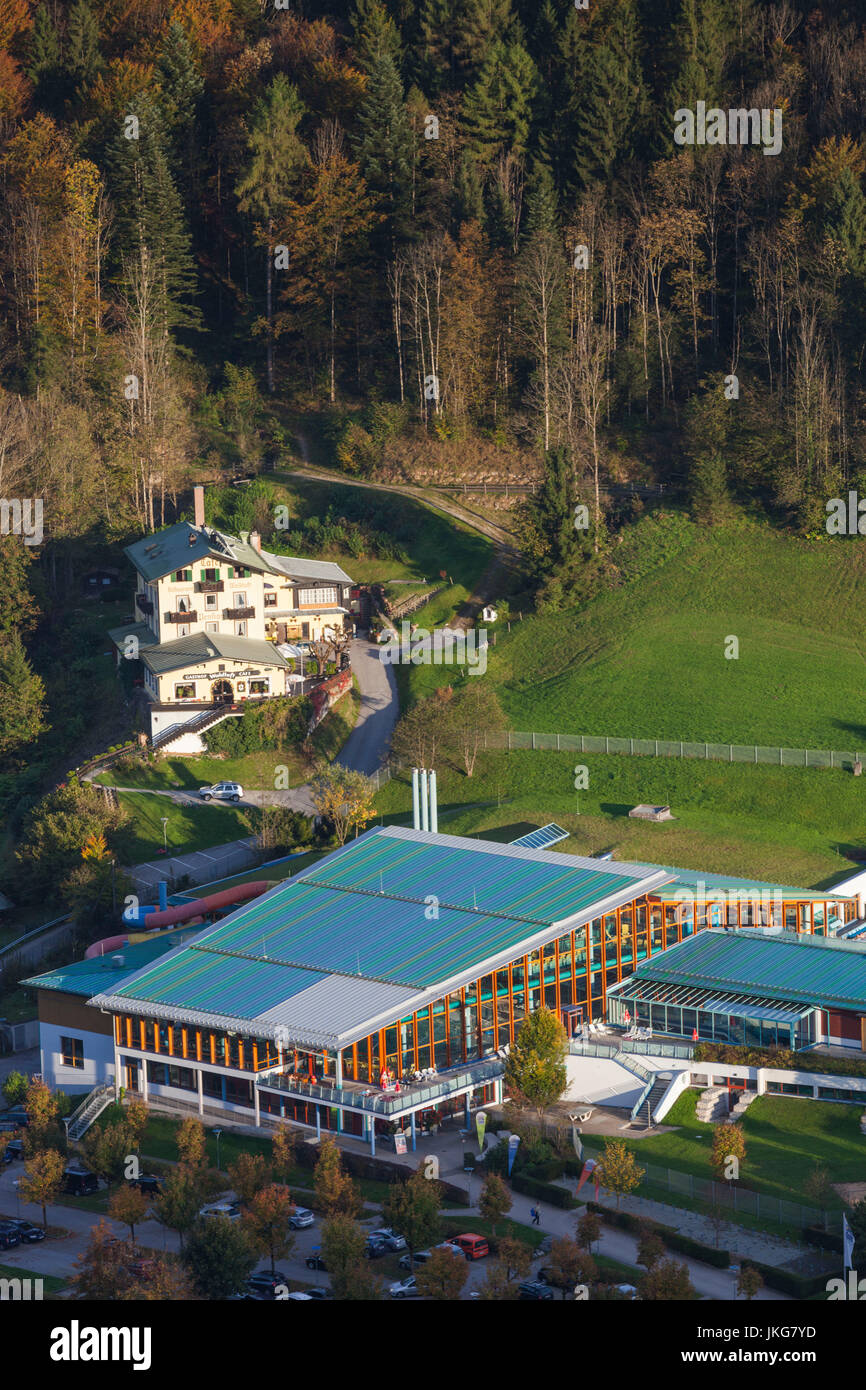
x=256 y=541
x=198 y=506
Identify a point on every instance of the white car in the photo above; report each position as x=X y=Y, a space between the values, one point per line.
x=300 y=1217
x=407 y=1288
x=230 y=1210
x=222 y=791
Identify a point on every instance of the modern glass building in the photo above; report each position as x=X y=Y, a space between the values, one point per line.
x=384 y=983
x=752 y=988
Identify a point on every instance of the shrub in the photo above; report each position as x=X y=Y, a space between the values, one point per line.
x=543 y=1191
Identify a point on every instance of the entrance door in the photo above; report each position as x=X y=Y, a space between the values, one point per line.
x=132 y=1076
x=221 y=692
x=736 y=1087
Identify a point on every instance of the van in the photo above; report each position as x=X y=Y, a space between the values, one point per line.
x=78 y=1181
x=473 y=1247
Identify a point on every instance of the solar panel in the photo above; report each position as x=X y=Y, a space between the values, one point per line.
x=543 y=838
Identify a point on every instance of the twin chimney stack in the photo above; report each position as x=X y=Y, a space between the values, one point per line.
x=425 y=810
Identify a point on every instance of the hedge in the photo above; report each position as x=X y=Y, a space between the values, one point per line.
x=543 y=1191
x=674 y=1240
x=380 y=1170
x=825 y=1240
x=797 y=1285
x=783 y=1059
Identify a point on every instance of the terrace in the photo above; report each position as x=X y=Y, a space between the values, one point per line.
x=358 y=1095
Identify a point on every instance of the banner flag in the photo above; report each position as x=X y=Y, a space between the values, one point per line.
x=588 y=1166
x=480 y=1127
x=513 y=1144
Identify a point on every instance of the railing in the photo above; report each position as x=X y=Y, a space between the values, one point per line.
x=388 y=1102
x=145 y=604
x=247 y=612
x=674 y=748
x=209 y=586
x=93 y=1105
x=191 y=617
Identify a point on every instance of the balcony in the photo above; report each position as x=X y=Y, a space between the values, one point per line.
x=144 y=604
x=236 y=614
x=209 y=586
x=354 y=1095
x=191 y=617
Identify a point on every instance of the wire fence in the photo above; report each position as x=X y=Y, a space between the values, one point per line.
x=674 y=748
x=728 y=1196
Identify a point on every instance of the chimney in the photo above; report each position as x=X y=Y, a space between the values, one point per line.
x=198 y=506
x=256 y=541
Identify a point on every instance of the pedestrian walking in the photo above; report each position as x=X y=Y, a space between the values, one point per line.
x=536 y=1216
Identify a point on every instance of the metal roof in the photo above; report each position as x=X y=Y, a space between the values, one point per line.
x=388 y=923
x=825 y=972
x=88 y=977
x=695 y=879
x=144 y=635
x=296 y=567
x=200 y=647
x=543 y=838
x=183 y=545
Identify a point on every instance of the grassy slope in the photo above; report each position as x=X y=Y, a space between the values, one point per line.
x=648 y=658
x=785 y=1138
x=785 y=825
x=189 y=827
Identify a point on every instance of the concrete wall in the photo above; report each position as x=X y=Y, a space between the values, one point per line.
x=98 y=1058
x=704 y=1074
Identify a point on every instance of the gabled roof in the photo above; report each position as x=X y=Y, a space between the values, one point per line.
x=696 y=881
x=181 y=546
x=145 y=636
x=388 y=923
x=827 y=972
x=200 y=647
x=298 y=568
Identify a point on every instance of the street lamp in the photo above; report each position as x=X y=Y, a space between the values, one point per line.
x=164 y=820
x=217 y=1133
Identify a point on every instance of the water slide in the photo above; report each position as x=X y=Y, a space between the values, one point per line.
x=153 y=918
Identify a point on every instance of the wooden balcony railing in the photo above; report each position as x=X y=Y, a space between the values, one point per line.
x=237 y=613
x=209 y=586
x=182 y=617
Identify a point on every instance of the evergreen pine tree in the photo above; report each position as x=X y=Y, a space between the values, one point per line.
x=480 y=25
x=43 y=65
x=22 y=697
x=374 y=33
x=384 y=147
x=608 y=100
x=149 y=213
x=83 y=58
x=181 y=85
x=435 y=59
x=497 y=112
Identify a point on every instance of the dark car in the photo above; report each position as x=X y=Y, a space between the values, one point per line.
x=148 y=1183
x=374 y=1249
x=319 y=1293
x=27 y=1232
x=534 y=1289
x=266 y=1285
x=17 y=1116
x=315 y=1261
x=79 y=1181
x=9 y=1236
x=14 y=1149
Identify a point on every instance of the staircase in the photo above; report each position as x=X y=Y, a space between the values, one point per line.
x=712 y=1105
x=202 y=721
x=742 y=1105
x=652 y=1093
x=91 y=1107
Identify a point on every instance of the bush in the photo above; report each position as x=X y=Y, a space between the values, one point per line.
x=825 y=1240
x=674 y=1240
x=543 y=1191
x=781 y=1058
x=799 y=1286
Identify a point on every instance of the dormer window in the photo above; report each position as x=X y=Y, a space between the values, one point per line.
x=182 y=576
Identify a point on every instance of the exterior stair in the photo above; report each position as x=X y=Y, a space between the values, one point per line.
x=742 y=1105
x=90 y=1109
x=208 y=717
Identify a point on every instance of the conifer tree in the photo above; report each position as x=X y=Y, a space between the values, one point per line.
x=22 y=697
x=384 y=148
x=83 y=58
x=497 y=112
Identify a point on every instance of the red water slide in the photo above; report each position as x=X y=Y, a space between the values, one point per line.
x=202 y=907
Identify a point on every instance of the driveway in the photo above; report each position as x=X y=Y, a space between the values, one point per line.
x=367 y=746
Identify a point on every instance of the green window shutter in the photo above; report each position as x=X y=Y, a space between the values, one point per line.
x=203 y=575
x=188 y=575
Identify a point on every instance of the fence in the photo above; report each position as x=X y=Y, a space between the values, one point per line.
x=674 y=748
x=742 y=1200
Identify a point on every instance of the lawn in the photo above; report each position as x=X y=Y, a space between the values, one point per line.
x=783 y=825
x=786 y=1139
x=514 y=1230
x=647 y=658
x=189 y=828
x=50 y=1283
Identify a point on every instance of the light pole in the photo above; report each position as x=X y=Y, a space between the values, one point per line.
x=164 y=820
x=217 y=1133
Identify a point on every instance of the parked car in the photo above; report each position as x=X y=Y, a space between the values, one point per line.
x=320 y=1293
x=301 y=1217
x=534 y=1289
x=449 y=1245
x=375 y=1249
x=230 y=1210
x=77 y=1182
x=473 y=1247
x=315 y=1261
x=627 y=1290
x=299 y=1298
x=18 y=1115
x=9 y=1237
x=222 y=791
x=14 y=1149
x=407 y=1288
x=266 y=1285
x=391 y=1239
x=141 y=1268
x=148 y=1183
x=28 y=1234
x=421 y=1258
